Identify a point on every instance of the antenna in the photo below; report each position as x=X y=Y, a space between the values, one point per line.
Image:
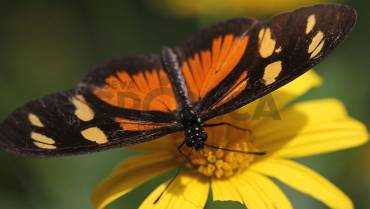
x=226 y=124
x=168 y=185
x=239 y=151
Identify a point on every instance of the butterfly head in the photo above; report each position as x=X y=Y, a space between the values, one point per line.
x=195 y=137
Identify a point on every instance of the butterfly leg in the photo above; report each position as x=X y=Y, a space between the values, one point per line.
x=226 y=124
x=236 y=127
x=184 y=154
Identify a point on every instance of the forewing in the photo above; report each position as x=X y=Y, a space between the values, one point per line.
x=65 y=123
x=135 y=83
x=280 y=50
x=124 y=102
x=210 y=55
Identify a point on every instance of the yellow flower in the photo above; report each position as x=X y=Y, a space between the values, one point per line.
x=229 y=7
x=287 y=131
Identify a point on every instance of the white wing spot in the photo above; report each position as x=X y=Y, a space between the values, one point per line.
x=95 y=134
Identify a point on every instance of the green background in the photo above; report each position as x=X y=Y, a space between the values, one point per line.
x=47 y=46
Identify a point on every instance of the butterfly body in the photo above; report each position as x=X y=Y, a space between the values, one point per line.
x=194 y=134
x=143 y=97
x=191 y=121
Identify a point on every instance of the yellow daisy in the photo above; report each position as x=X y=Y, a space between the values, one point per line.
x=282 y=131
x=229 y=7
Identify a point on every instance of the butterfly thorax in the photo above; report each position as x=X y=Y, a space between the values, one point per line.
x=195 y=136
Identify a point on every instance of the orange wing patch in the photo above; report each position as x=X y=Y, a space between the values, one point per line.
x=133 y=125
x=209 y=67
x=239 y=86
x=145 y=90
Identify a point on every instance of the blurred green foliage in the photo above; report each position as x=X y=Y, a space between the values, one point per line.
x=47 y=46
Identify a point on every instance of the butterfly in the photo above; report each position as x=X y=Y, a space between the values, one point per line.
x=143 y=97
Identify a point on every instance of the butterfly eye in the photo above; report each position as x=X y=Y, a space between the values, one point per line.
x=203 y=136
x=189 y=141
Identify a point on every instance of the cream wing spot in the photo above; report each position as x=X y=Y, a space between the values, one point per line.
x=83 y=111
x=317 y=50
x=42 y=138
x=266 y=43
x=35 y=120
x=261 y=33
x=311 y=22
x=95 y=134
x=42 y=141
x=271 y=72
x=44 y=146
x=278 y=50
x=316 y=40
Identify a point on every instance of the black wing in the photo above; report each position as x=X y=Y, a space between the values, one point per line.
x=125 y=102
x=132 y=101
x=279 y=50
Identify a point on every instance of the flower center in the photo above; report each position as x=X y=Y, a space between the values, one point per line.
x=221 y=163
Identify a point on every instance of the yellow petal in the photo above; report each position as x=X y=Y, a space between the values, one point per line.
x=297 y=88
x=309 y=128
x=270 y=195
x=282 y=96
x=188 y=191
x=225 y=190
x=130 y=174
x=253 y=196
x=304 y=180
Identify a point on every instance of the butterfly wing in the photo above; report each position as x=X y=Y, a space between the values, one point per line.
x=110 y=109
x=132 y=101
x=210 y=55
x=135 y=83
x=278 y=51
